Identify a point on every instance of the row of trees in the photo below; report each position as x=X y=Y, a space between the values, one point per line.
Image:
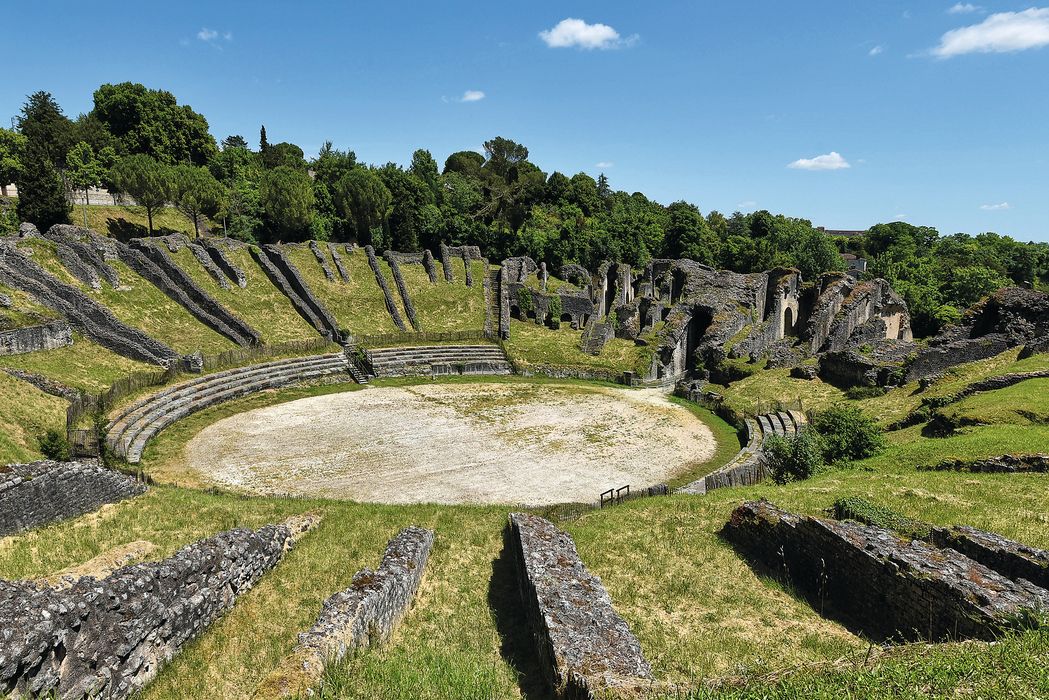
x=142 y=143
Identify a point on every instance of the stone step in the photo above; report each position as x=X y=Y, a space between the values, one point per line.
x=134 y=451
x=178 y=389
x=790 y=428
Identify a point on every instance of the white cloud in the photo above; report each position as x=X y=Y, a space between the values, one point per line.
x=829 y=161
x=211 y=36
x=472 y=96
x=900 y=217
x=876 y=50
x=604 y=164
x=964 y=8
x=575 y=33
x=996 y=207
x=746 y=204
x=1003 y=32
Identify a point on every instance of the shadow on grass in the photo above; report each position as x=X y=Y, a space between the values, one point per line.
x=518 y=646
x=124 y=230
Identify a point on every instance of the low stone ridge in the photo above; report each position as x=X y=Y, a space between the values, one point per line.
x=366 y=613
x=1009 y=318
x=287 y=278
x=216 y=248
x=380 y=279
x=49 y=336
x=585 y=648
x=437 y=360
x=1011 y=559
x=44 y=384
x=1005 y=464
x=322 y=261
x=402 y=289
x=209 y=265
x=888 y=587
x=44 y=492
x=110 y=637
x=337 y=259
x=84 y=313
x=83 y=255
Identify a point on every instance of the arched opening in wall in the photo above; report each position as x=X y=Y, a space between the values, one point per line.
x=697 y=327
x=677 y=286
x=788 y=322
x=515 y=311
x=611 y=278
x=566 y=318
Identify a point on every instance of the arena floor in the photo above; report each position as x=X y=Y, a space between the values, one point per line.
x=454 y=443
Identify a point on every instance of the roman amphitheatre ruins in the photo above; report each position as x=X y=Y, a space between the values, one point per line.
x=321 y=470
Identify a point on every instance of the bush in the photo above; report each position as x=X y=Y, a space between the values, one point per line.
x=555 y=308
x=862 y=510
x=524 y=300
x=55 y=446
x=865 y=392
x=796 y=457
x=848 y=434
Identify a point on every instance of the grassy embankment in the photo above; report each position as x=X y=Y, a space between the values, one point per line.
x=126 y=222
x=24 y=310
x=531 y=344
x=447 y=306
x=261 y=305
x=138 y=303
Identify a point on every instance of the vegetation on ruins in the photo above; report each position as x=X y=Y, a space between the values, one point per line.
x=500 y=201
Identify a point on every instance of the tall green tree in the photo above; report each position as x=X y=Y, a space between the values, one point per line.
x=151 y=122
x=12 y=144
x=424 y=168
x=362 y=197
x=83 y=171
x=689 y=236
x=145 y=180
x=41 y=190
x=287 y=201
x=196 y=193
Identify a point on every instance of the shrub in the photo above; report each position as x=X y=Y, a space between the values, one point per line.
x=862 y=510
x=524 y=300
x=848 y=434
x=54 y=445
x=555 y=308
x=796 y=457
x=865 y=392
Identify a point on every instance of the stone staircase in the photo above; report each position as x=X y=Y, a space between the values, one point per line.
x=746 y=468
x=438 y=360
x=129 y=431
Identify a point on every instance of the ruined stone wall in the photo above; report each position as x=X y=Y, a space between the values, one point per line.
x=322 y=261
x=584 y=646
x=216 y=249
x=110 y=637
x=84 y=313
x=366 y=613
x=337 y=259
x=291 y=282
x=43 y=492
x=402 y=289
x=380 y=279
x=49 y=336
x=884 y=585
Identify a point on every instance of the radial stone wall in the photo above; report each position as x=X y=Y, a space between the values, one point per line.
x=39 y=493
x=108 y=638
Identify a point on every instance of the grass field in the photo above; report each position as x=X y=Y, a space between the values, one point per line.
x=23 y=311
x=447 y=306
x=82 y=365
x=261 y=305
x=26 y=413
x=358 y=305
x=126 y=222
x=530 y=344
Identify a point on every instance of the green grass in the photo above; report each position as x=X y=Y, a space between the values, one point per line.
x=530 y=344
x=26 y=413
x=446 y=306
x=24 y=310
x=261 y=305
x=553 y=284
x=358 y=305
x=726 y=440
x=129 y=222
x=1023 y=404
x=139 y=304
x=82 y=365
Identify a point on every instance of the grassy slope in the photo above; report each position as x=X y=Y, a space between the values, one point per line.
x=532 y=344
x=82 y=365
x=24 y=310
x=358 y=305
x=26 y=413
x=261 y=305
x=447 y=306
x=129 y=222
x=139 y=304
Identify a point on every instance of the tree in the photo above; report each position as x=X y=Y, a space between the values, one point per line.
x=287 y=201
x=196 y=193
x=234 y=141
x=361 y=197
x=424 y=167
x=41 y=193
x=814 y=253
x=283 y=154
x=12 y=144
x=151 y=122
x=467 y=163
x=83 y=171
x=43 y=123
x=689 y=236
x=264 y=143
x=503 y=155
x=145 y=180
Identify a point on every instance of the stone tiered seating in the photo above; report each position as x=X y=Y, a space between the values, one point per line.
x=438 y=360
x=129 y=431
x=746 y=467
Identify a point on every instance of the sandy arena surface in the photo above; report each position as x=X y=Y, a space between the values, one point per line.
x=454 y=443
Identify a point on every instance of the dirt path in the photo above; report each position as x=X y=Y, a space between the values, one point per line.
x=454 y=443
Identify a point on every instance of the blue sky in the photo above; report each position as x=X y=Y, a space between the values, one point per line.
x=939 y=110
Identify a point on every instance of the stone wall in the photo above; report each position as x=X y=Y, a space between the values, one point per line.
x=44 y=492
x=1011 y=559
x=84 y=313
x=290 y=281
x=886 y=586
x=322 y=261
x=49 y=336
x=402 y=289
x=366 y=613
x=217 y=248
x=110 y=637
x=585 y=648
x=1005 y=464
x=380 y=279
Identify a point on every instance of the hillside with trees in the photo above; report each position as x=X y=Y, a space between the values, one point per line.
x=141 y=143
